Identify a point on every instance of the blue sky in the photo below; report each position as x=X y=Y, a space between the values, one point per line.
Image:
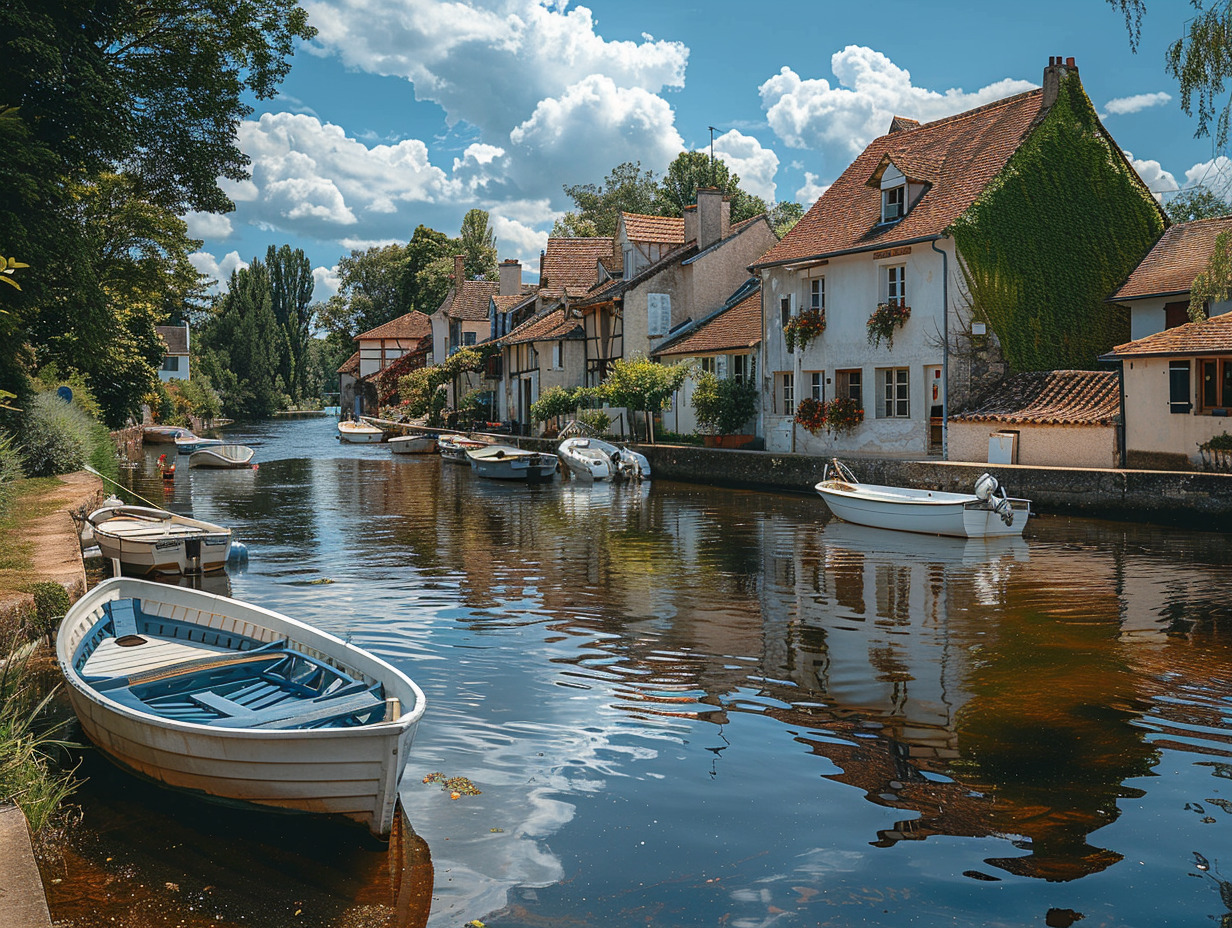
x=404 y=112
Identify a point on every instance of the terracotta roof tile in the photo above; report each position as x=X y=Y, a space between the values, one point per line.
x=1177 y=258
x=505 y=303
x=1210 y=336
x=1051 y=398
x=667 y=230
x=616 y=288
x=468 y=302
x=176 y=337
x=734 y=327
x=350 y=365
x=551 y=326
x=963 y=152
x=572 y=264
x=411 y=325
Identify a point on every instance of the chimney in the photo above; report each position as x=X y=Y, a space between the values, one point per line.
x=713 y=216
x=1058 y=69
x=459 y=271
x=510 y=277
x=690 y=223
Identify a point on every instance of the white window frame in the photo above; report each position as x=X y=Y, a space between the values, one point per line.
x=815 y=293
x=893 y=203
x=742 y=367
x=558 y=356
x=895 y=384
x=815 y=384
x=894 y=284
x=785 y=392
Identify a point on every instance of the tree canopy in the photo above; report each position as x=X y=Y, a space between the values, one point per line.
x=1196 y=203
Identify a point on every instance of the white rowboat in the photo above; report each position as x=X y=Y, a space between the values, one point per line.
x=986 y=512
x=413 y=444
x=505 y=462
x=237 y=703
x=359 y=433
x=221 y=456
x=155 y=541
x=454 y=447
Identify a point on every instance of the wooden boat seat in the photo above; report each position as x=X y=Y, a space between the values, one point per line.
x=123 y=616
x=270 y=653
x=289 y=714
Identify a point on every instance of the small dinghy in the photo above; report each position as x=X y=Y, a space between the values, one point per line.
x=594 y=459
x=237 y=703
x=986 y=512
x=221 y=456
x=188 y=443
x=359 y=432
x=413 y=444
x=454 y=447
x=505 y=462
x=146 y=540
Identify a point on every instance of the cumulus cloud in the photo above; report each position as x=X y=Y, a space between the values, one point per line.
x=812 y=190
x=592 y=126
x=1158 y=180
x=753 y=163
x=490 y=62
x=1123 y=106
x=1215 y=175
x=518 y=240
x=840 y=120
x=325 y=283
x=219 y=271
x=208 y=225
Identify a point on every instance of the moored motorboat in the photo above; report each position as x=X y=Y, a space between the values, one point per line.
x=147 y=540
x=454 y=447
x=221 y=456
x=986 y=512
x=162 y=434
x=359 y=432
x=237 y=703
x=188 y=443
x=595 y=459
x=505 y=462
x=413 y=444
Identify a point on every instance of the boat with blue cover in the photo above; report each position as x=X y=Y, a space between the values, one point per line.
x=238 y=703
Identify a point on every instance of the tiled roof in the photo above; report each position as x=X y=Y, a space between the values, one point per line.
x=616 y=288
x=506 y=303
x=1177 y=258
x=551 y=326
x=572 y=264
x=176 y=337
x=734 y=327
x=1051 y=398
x=666 y=230
x=1210 y=336
x=963 y=153
x=411 y=325
x=350 y=365
x=468 y=302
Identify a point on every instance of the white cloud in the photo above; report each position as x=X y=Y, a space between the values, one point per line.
x=840 y=120
x=1123 y=106
x=208 y=225
x=755 y=165
x=325 y=283
x=517 y=240
x=1215 y=175
x=1158 y=180
x=218 y=271
x=812 y=190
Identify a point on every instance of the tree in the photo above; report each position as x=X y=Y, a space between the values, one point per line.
x=784 y=216
x=369 y=293
x=692 y=170
x=242 y=346
x=1196 y=203
x=641 y=385
x=420 y=289
x=478 y=244
x=627 y=189
x=723 y=406
x=1200 y=60
x=291 y=287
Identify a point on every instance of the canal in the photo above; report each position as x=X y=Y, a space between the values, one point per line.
x=687 y=706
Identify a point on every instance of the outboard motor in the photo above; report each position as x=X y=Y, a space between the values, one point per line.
x=986 y=486
x=1005 y=510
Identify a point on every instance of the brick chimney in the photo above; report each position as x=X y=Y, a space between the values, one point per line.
x=713 y=216
x=1058 y=69
x=459 y=271
x=510 y=277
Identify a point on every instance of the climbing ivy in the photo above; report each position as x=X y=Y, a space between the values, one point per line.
x=1059 y=228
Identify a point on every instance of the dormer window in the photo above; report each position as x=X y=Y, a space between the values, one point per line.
x=893 y=203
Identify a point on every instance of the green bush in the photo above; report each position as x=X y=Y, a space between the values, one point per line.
x=10 y=470
x=597 y=419
x=723 y=406
x=59 y=438
x=51 y=602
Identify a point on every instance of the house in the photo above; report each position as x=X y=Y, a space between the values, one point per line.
x=464 y=319
x=1157 y=292
x=348 y=385
x=406 y=340
x=1176 y=393
x=673 y=271
x=928 y=262
x=1048 y=418
x=175 y=359
x=724 y=343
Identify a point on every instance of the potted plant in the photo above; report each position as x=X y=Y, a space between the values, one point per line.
x=811 y=414
x=722 y=407
x=885 y=319
x=803 y=328
x=843 y=414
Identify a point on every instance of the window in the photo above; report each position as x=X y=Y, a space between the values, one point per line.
x=708 y=365
x=742 y=367
x=1178 y=387
x=895 y=388
x=171 y=363
x=785 y=310
x=815 y=385
x=893 y=203
x=558 y=356
x=785 y=393
x=850 y=384
x=468 y=338
x=658 y=314
x=896 y=284
x=1216 y=384
x=816 y=295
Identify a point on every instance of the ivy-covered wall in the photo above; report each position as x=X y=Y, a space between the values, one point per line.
x=1052 y=236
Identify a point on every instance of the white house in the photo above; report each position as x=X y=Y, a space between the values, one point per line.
x=175 y=360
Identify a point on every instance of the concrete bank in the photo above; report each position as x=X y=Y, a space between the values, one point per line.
x=1196 y=500
x=23 y=903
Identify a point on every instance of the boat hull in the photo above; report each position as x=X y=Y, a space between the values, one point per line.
x=360 y=433
x=351 y=772
x=221 y=456
x=154 y=541
x=504 y=462
x=591 y=459
x=413 y=444
x=932 y=513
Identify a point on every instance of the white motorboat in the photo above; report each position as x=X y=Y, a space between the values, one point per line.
x=454 y=447
x=986 y=512
x=413 y=444
x=595 y=459
x=221 y=456
x=505 y=462
x=146 y=540
x=359 y=432
x=188 y=443
x=162 y=434
x=237 y=703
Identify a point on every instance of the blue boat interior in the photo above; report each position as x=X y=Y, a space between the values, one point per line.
x=250 y=684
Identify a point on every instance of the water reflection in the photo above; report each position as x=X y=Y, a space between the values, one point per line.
x=705 y=706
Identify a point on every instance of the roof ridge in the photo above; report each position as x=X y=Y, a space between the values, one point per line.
x=1004 y=101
